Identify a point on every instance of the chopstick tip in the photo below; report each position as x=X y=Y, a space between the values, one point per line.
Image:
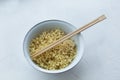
x=102 y=17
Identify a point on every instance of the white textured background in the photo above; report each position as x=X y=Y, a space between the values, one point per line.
x=101 y=59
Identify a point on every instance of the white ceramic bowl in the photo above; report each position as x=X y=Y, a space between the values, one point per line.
x=51 y=24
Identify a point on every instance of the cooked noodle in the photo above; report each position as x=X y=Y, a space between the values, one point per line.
x=56 y=58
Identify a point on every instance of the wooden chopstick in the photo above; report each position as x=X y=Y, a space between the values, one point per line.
x=69 y=35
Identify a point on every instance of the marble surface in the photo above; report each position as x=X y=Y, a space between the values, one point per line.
x=101 y=59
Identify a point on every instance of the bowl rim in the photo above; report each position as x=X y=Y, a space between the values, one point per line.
x=52 y=71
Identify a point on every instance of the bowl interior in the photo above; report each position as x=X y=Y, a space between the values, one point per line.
x=48 y=25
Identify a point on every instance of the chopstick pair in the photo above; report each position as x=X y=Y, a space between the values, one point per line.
x=101 y=18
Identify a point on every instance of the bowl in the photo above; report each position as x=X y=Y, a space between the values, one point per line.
x=51 y=24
